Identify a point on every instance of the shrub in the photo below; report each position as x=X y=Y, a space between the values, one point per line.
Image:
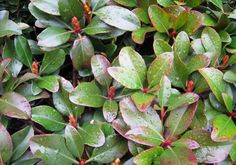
x=117 y=82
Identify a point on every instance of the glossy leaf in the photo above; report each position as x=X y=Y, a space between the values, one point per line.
x=6 y=146
x=142 y=100
x=110 y=110
x=178 y=156
x=118 y=17
x=23 y=51
x=81 y=52
x=165 y=91
x=128 y=78
x=114 y=148
x=48 y=117
x=197 y=62
x=15 y=105
x=161 y=46
x=52 y=61
x=224 y=129
x=70 y=8
x=211 y=40
x=145 y=136
x=180 y=119
x=99 y=65
x=139 y=35
x=87 y=94
x=53 y=37
x=217 y=3
x=74 y=141
x=132 y=60
x=159 y=18
x=92 y=135
x=21 y=142
x=134 y=118
x=214 y=78
x=49 y=82
x=8 y=28
x=182 y=100
x=50 y=7
x=182 y=45
x=161 y=66
x=51 y=148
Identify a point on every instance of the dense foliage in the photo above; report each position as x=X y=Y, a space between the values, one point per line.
x=117 y=81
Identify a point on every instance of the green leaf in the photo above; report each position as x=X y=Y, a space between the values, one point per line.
x=198 y=46
x=70 y=8
x=97 y=4
x=160 y=19
x=8 y=28
x=53 y=37
x=52 y=61
x=46 y=19
x=132 y=60
x=214 y=78
x=160 y=46
x=128 y=78
x=230 y=76
x=145 y=136
x=114 y=148
x=229 y=102
x=142 y=15
x=134 y=118
x=233 y=152
x=110 y=110
x=147 y=157
x=224 y=129
x=99 y=66
x=87 y=94
x=193 y=23
x=218 y=151
x=23 y=51
x=182 y=100
x=178 y=156
x=197 y=62
x=118 y=17
x=92 y=135
x=21 y=142
x=48 y=6
x=217 y=3
x=74 y=141
x=180 y=119
x=138 y=36
x=142 y=100
x=195 y=3
x=165 y=91
x=127 y=3
x=161 y=66
x=48 y=117
x=6 y=146
x=180 y=20
x=211 y=40
x=61 y=100
x=81 y=52
x=51 y=149
x=182 y=45
x=26 y=159
x=199 y=119
x=165 y=3
x=15 y=105
x=99 y=29
x=49 y=82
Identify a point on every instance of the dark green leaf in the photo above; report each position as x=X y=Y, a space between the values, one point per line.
x=21 y=142
x=142 y=100
x=87 y=94
x=49 y=82
x=23 y=51
x=51 y=149
x=48 y=117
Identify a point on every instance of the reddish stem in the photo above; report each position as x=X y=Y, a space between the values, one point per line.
x=232 y=114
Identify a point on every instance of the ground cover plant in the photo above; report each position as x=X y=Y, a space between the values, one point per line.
x=117 y=82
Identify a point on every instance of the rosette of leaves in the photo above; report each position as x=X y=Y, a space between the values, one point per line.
x=80 y=23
